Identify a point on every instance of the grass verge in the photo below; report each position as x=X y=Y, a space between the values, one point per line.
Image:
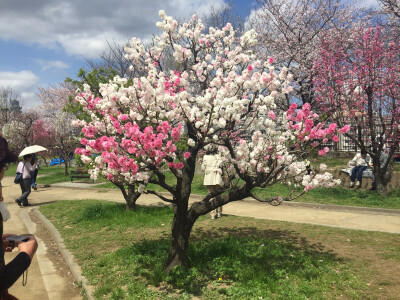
x=122 y=252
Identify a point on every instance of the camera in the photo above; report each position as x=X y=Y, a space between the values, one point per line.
x=18 y=239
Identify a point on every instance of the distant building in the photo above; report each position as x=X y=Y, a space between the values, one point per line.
x=14 y=106
x=10 y=105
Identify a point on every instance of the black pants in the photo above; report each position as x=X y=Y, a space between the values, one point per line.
x=26 y=190
x=33 y=177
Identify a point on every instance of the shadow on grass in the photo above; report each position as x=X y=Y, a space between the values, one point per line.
x=247 y=258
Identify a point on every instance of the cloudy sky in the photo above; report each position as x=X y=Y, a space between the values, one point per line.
x=44 y=41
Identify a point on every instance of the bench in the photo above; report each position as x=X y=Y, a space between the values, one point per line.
x=80 y=172
x=366 y=173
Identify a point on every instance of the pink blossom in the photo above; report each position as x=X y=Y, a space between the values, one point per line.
x=271 y=114
x=186 y=155
x=176 y=133
x=344 y=129
x=332 y=128
x=123 y=117
x=321 y=152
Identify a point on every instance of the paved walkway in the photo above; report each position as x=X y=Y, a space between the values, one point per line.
x=44 y=282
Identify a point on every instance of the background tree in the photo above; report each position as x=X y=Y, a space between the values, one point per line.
x=289 y=32
x=218 y=16
x=391 y=7
x=94 y=80
x=43 y=135
x=219 y=95
x=19 y=132
x=360 y=87
x=56 y=121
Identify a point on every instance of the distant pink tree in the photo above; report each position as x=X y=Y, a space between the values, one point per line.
x=43 y=135
x=360 y=87
x=56 y=121
x=289 y=34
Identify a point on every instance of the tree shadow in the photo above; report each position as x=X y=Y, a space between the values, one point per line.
x=243 y=256
x=288 y=236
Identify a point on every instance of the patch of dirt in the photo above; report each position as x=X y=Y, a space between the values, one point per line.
x=72 y=289
x=378 y=271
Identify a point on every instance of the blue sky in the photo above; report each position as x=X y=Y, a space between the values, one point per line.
x=44 y=41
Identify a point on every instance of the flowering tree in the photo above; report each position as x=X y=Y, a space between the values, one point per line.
x=57 y=121
x=391 y=7
x=19 y=132
x=360 y=88
x=43 y=135
x=220 y=96
x=290 y=30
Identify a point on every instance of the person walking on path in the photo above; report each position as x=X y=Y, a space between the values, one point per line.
x=25 y=168
x=9 y=273
x=361 y=162
x=213 y=181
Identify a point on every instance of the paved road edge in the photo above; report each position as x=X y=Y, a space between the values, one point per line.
x=68 y=256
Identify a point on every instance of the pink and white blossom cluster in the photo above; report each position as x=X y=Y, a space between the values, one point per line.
x=221 y=94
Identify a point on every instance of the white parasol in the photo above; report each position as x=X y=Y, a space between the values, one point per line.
x=32 y=149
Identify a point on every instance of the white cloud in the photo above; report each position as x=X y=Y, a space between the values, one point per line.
x=368 y=3
x=82 y=27
x=49 y=64
x=23 y=83
x=18 y=80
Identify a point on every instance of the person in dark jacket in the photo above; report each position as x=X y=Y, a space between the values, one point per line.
x=9 y=273
x=25 y=168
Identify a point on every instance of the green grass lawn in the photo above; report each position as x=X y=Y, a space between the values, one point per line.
x=231 y=258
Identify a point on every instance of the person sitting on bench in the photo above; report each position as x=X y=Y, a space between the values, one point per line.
x=361 y=162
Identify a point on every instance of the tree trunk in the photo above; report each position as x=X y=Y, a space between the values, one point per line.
x=131 y=197
x=382 y=175
x=381 y=181
x=181 y=228
x=65 y=168
x=381 y=188
x=45 y=161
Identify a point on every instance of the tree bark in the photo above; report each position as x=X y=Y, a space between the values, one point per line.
x=65 y=167
x=184 y=220
x=381 y=180
x=182 y=223
x=181 y=229
x=130 y=197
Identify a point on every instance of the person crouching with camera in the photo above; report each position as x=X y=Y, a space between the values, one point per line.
x=9 y=273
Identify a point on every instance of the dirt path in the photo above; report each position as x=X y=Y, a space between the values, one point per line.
x=360 y=219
